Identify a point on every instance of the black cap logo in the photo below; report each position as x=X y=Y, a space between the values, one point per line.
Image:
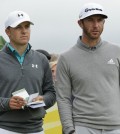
x=20 y=15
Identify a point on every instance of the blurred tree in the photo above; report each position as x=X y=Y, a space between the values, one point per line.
x=2 y=42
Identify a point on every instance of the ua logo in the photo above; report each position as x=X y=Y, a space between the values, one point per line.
x=34 y=66
x=20 y=15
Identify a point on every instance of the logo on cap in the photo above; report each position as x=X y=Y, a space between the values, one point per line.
x=20 y=15
x=91 y=9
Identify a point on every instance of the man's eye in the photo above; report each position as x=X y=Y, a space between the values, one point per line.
x=89 y=19
x=18 y=27
x=28 y=26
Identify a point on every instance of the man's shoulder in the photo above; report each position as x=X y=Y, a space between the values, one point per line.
x=68 y=55
x=69 y=52
x=112 y=44
x=38 y=54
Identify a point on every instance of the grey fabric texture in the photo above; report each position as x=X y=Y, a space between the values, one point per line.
x=35 y=76
x=87 y=86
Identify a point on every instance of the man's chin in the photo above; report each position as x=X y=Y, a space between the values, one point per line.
x=24 y=43
x=95 y=36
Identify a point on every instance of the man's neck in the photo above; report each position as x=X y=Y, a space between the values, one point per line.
x=19 y=48
x=90 y=42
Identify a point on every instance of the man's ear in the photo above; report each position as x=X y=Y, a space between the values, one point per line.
x=7 y=31
x=80 y=23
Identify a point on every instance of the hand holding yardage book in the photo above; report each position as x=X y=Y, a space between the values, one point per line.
x=34 y=104
x=29 y=98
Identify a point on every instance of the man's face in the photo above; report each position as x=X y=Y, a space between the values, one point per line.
x=92 y=26
x=19 y=35
x=53 y=69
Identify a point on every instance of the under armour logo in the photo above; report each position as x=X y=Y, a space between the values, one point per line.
x=34 y=65
x=20 y=15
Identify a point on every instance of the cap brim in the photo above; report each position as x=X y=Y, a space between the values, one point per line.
x=104 y=16
x=17 y=23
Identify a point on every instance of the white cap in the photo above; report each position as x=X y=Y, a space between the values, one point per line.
x=15 y=18
x=91 y=9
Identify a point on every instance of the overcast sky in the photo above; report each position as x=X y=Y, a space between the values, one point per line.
x=56 y=28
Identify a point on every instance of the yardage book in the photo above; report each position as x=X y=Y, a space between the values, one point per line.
x=24 y=94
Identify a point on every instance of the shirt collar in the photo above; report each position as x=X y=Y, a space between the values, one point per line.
x=14 y=51
x=85 y=46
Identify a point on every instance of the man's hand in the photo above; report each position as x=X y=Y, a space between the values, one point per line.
x=39 y=98
x=16 y=102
